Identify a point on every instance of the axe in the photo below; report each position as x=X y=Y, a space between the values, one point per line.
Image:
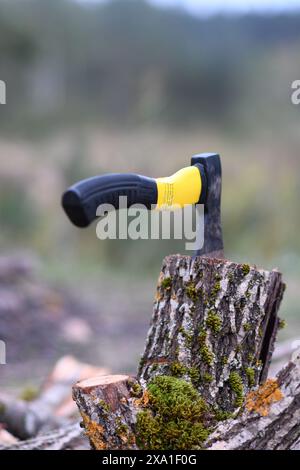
x=199 y=183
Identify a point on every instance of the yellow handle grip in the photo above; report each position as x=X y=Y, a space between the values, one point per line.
x=180 y=189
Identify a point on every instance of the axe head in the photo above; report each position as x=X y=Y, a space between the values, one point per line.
x=211 y=198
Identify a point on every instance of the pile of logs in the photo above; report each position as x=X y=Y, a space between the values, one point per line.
x=50 y=410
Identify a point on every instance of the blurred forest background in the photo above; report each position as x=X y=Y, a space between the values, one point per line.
x=126 y=86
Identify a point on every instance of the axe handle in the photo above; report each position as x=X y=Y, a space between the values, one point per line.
x=187 y=186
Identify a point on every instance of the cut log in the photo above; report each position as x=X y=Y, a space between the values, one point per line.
x=25 y=419
x=213 y=327
x=214 y=323
x=7 y=439
x=271 y=420
x=108 y=407
x=68 y=437
x=53 y=407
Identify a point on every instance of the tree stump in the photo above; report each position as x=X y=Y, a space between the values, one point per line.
x=214 y=323
x=212 y=332
x=108 y=410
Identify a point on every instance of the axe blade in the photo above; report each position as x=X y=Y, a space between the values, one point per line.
x=213 y=240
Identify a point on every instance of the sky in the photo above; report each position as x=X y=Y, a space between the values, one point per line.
x=214 y=6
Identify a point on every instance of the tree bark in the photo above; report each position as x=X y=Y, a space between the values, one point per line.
x=214 y=325
x=213 y=318
x=108 y=406
x=268 y=423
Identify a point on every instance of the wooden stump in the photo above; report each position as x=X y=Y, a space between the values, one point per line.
x=214 y=323
x=108 y=407
x=213 y=327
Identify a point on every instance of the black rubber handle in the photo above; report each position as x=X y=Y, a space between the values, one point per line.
x=81 y=200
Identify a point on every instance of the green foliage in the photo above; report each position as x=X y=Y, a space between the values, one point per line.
x=174 y=418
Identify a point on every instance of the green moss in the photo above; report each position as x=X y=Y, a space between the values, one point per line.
x=238 y=348
x=215 y=290
x=136 y=390
x=154 y=367
x=2 y=408
x=206 y=354
x=281 y=324
x=104 y=406
x=259 y=363
x=208 y=378
x=247 y=327
x=29 y=393
x=250 y=357
x=202 y=336
x=214 y=322
x=224 y=360
x=121 y=428
x=174 y=418
x=166 y=283
x=245 y=269
x=194 y=374
x=177 y=369
x=191 y=291
x=250 y=372
x=236 y=385
x=222 y=415
x=188 y=339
